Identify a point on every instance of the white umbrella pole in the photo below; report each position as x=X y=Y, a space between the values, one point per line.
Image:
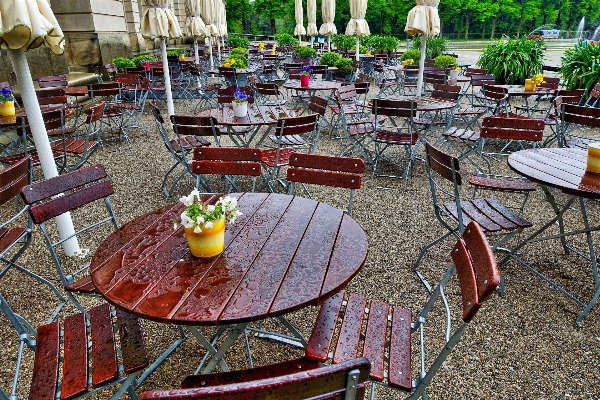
x=421 y=65
x=329 y=43
x=210 y=55
x=357 y=48
x=42 y=144
x=196 y=51
x=167 y=72
x=218 y=48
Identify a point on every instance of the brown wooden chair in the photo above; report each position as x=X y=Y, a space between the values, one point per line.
x=290 y=380
x=230 y=162
x=111 y=70
x=331 y=171
x=52 y=81
x=269 y=94
x=473 y=90
x=552 y=116
x=386 y=331
x=579 y=125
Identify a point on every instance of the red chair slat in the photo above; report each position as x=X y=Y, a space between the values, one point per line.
x=9 y=236
x=469 y=209
x=347 y=344
x=355 y=165
x=374 y=346
x=45 y=365
x=83 y=285
x=484 y=261
x=400 y=350
x=502 y=209
x=328 y=178
x=226 y=168
x=133 y=346
x=484 y=208
x=322 y=334
x=75 y=365
x=502 y=184
x=104 y=355
x=466 y=277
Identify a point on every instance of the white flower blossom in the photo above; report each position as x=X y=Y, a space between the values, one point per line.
x=197 y=229
x=185 y=221
x=210 y=208
x=200 y=220
x=208 y=225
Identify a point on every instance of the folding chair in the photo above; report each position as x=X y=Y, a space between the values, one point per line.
x=454 y=215
x=578 y=126
x=81 y=146
x=291 y=380
x=552 y=116
x=441 y=118
x=476 y=84
x=54 y=98
x=593 y=99
x=289 y=136
x=530 y=110
x=133 y=103
x=113 y=115
x=88 y=365
x=78 y=188
x=230 y=162
x=408 y=81
x=396 y=130
x=111 y=70
x=268 y=94
x=390 y=353
x=52 y=81
x=327 y=171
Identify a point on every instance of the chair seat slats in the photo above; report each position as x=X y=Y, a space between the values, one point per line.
x=502 y=209
x=75 y=365
x=347 y=345
x=462 y=134
x=133 y=347
x=35 y=158
x=466 y=277
x=104 y=359
x=83 y=285
x=291 y=140
x=45 y=366
x=327 y=178
x=484 y=208
x=322 y=334
x=189 y=142
x=9 y=236
x=502 y=184
x=396 y=138
x=400 y=350
x=473 y=212
x=374 y=344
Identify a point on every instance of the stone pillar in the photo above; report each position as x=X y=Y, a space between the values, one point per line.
x=95 y=31
x=132 y=18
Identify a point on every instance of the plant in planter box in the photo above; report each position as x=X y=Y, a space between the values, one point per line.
x=523 y=57
x=330 y=58
x=121 y=63
x=142 y=58
x=304 y=52
x=237 y=41
x=445 y=62
x=389 y=43
x=344 y=42
x=580 y=67
x=239 y=51
x=411 y=54
x=345 y=66
x=436 y=46
x=177 y=52
x=236 y=61
x=285 y=39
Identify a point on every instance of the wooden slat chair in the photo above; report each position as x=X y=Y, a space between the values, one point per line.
x=269 y=94
x=81 y=189
x=113 y=119
x=539 y=102
x=230 y=162
x=225 y=97
x=476 y=86
x=408 y=82
x=289 y=136
x=442 y=118
x=396 y=130
x=508 y=134
x=386 y=331
x=593 y=99
x=345 y=98
x=52 y=81
x=445 y=178
x=111 y=70
x=17 y=229
x=88 y=365
x=53 y=98
x=331 y=171
x=140 y=71
x=579 y=126
x=228 y=75
x=81 y=146
x=290 y=380
x=180 y=148
x=552 y=115
x=133 y=102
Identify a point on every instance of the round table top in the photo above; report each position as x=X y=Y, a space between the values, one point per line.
x=312 y=85
x=283 y=254
x=519 y=90
x=563 y=169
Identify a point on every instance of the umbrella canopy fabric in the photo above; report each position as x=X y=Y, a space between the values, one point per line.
x=194 y=26
x=206 y=12
x=423 y=19
x=299 y=29
x=27 y=24
x=216 y=17
x=222 y=19
x=311 y=11
x=159 y=22
x=328 y=14
x=358 y=25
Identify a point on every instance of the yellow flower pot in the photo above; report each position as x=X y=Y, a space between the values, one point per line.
x=181 y=57
x=209 y=242
x=7 y=108
x=529 y=85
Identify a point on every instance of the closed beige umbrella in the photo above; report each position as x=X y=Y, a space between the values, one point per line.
x=358 y=25
x=328 y=14
x=24 y=25
x=216 y=17
x=159 y=22
x=223 y=20
x=311 y=12
x=299 y=29
x=423 y=20
x=194 y=26
x=206 y=12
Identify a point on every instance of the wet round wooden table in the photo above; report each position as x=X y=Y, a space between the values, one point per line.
x=283 y=254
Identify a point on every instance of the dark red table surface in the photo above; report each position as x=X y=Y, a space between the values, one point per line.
x=563 y=169
x=257 y=115
x=283 y=254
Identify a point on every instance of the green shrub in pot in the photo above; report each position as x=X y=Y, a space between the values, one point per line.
x=445 y=61
x=285 y=39
x=523 y=57
x=415 y=55
x=580 y=66
x=121 y=63
x=237 y=41
x=330 y=59
x=240 y=51
x=305 y=52
x=344 y=66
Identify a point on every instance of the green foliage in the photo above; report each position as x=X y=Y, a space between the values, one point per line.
x=285 y=39
x=330 y=58
x=414 y=54
x=305 y=52
x=522 y=56
x=362 y=49
x=445 y=61
x=344 y=42
x=580 y=66
x=236 y=61
x=370 y=41
x=344 y=66
x=176 y=52
x=238 y=41
x=239 y=50
x=121 y=63
x=137 y=60
x=436 y=46
x=389 y=43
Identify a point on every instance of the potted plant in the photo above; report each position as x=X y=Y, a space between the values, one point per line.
x=121 y=63
x=285 y=39
x=411 y=55
x=237 y=41
x=390 y=43
x=204 y=224
x=436 y=46
x=345 y=68
x=330 y=58
x=305 y=53
x=305 y=74
x=579 y=66
x=240 y=103
x=7 y=102
x=522 y=57
x=237 y=61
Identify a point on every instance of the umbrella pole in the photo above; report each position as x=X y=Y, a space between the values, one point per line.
x=218 y=49
x=167 y=72
x=357 y=55
x=196 y=51
x=421 y=65
x=42 y=144
x=210 y=55
x=329 y=43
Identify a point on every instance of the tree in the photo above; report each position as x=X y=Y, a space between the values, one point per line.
x=238 y=10
x=271 y=9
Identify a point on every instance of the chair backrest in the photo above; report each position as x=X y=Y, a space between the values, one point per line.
x=472 y=70
x=49 y=97
x=110 y=68
x=229 y=161
x=395 y=108
x=495 y=98
x=508 y=128
x=593 y=99
x=297 y=125
x=317 y=105
x=571 y=96
x=227 y=71
x=191 y=125
x=581 y=115
x=104 y=90
x=128 y=79
x=435 y=78
x=346 y=93
x=13 y=178
x=268 y=89
x=551 y=83
x=482 y=79
x=52 y=81
x=141 y=71
x=446 y=92
x=280 y=381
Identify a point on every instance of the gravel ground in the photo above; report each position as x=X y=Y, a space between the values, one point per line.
x=524 y=344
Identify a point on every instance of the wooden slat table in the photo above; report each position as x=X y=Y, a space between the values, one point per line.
x=283 y=254
x=562 y=169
